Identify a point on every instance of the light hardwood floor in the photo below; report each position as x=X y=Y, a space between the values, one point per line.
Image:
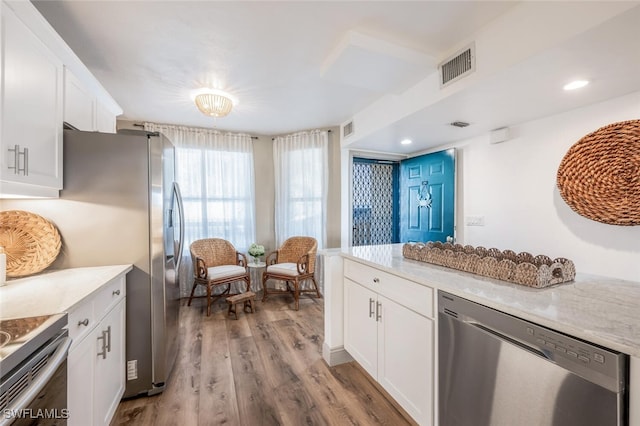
x=265 y=368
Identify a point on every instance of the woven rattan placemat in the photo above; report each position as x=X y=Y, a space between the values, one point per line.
x=599 y=177
x=30 y=241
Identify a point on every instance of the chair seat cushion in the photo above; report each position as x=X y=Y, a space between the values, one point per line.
x=225 y=271
x=290 y=269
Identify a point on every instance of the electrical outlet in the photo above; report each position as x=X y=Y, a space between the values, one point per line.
x=474 y=220
x=132 y=369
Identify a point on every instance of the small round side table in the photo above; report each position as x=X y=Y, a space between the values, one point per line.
x=255 y=271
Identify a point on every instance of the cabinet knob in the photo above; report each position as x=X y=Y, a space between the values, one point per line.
x=116 y=293
x=84 y=322
x=376 y=280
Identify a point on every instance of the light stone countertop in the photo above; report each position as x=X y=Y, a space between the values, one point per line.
x=55 y=291
x=602 y=310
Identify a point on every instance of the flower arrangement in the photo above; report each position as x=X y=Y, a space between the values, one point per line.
x=256 y=250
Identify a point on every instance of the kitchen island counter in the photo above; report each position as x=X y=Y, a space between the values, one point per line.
x=599 y=309
x=54 y=292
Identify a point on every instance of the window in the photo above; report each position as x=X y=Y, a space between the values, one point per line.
x=300 y=162
x=216 y=177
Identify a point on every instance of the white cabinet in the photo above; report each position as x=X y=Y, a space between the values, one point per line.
x=31 y=110
x=109 y=378
x=390 y=333
x=83 y=109
x=96 y=364
x=42 y=83
x=79 y=103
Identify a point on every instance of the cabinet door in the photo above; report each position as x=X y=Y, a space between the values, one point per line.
x=80 y=382
x=105 y=119
x=405 y=359
x=31 y=107
x=79 y=103
x=360 y=327
x=109 y=372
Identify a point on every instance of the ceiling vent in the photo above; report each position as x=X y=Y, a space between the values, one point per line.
x=347 y=129
x=458 y=66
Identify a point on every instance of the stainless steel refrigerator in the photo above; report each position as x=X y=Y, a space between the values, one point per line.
x=120 y=205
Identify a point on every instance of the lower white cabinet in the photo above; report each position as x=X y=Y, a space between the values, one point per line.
x=393 y=343
x=96 y=363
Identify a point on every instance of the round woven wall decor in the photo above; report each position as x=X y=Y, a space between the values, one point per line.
x=599 y=177
x=30 y=242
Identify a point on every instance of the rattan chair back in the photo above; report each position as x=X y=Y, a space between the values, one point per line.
x=214 y=252
x=295 y=247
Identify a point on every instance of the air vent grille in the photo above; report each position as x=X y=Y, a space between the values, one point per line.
x=347 y=129
x=459 y=66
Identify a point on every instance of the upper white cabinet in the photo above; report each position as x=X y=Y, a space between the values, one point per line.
x=79 y=103
x=42 y=84
x=83 y=109
x=31 y=118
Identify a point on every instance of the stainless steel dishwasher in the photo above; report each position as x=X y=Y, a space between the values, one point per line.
x=496 y=369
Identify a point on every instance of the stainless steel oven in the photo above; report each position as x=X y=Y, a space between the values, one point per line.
x=499 y=370
x=33 y=361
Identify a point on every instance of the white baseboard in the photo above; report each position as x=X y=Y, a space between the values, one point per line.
x=335 y=356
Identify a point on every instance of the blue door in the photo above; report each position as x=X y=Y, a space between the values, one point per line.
x=427 y=197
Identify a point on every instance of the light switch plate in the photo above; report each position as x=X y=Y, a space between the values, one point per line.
x=474 y=220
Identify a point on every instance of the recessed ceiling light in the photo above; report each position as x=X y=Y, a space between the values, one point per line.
x=406 y=141
x=577 y=84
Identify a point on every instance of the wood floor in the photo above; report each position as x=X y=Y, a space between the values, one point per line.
x=265 y=368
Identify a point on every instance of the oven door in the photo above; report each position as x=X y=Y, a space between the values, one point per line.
x=36 y=391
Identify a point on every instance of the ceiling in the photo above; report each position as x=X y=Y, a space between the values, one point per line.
x=301 y=65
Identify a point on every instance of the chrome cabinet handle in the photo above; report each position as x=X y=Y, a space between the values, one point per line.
x=16 y=158
x=84 y=322
x=378 y=311
x=25 y=154
x=103 y=352
x=116 y=293
x=376 y=280
x=108 y=345
x=371 y=302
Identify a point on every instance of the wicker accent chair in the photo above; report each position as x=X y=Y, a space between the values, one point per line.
x=216 y=262
x=293 y=263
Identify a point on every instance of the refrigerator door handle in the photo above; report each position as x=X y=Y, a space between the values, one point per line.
x=178 y=255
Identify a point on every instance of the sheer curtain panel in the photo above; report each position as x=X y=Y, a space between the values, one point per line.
x=301 y=173
x=216 y=177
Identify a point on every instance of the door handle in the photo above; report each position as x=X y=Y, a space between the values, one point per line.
x=371 y=302
x=378 y=311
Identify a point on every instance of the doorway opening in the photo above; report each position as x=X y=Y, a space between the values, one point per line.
x=375 y=202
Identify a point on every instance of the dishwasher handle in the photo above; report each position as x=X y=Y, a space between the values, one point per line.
x=506 y=338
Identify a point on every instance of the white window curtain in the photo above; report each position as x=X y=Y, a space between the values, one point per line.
x=301 y=173
x=216 y=177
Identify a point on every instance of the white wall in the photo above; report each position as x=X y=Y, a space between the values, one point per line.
x=513 y=185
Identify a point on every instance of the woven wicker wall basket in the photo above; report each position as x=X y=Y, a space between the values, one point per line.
x=599 y=177
x=30 y=241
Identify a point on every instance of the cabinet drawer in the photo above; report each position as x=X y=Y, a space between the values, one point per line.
x=109 y=296
x=81 y=321
x=405 y=292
